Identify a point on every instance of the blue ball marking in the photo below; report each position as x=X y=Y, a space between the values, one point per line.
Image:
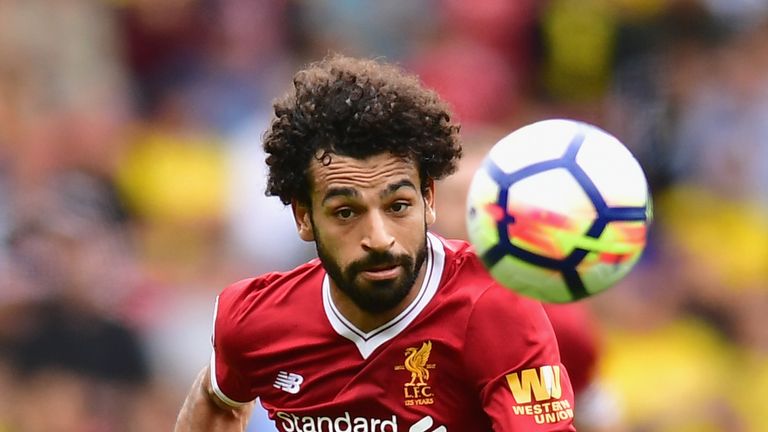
x=605 y=214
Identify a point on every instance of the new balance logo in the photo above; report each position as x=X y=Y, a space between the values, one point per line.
x=425 y=425
x=289 y=382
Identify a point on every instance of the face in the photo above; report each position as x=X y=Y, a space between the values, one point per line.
x=368 y=219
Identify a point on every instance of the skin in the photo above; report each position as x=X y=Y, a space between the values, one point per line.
x=204 y=411
x=368 y=219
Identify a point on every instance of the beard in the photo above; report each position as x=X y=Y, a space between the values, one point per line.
x=379 y=295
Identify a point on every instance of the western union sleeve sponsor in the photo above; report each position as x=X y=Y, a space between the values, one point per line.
x=542 y=383
x=542 y=387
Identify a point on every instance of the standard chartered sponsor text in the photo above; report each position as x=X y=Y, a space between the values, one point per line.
x=344 y=423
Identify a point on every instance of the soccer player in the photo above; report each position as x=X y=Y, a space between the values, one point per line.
x=392 y=328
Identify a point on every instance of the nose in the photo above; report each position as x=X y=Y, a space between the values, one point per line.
x=377 y=236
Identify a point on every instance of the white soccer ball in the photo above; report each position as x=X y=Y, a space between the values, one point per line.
x=559 y=210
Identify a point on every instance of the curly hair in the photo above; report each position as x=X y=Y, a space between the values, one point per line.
x=356 y=108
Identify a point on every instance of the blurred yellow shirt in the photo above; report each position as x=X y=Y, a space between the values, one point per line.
x=726 y=236
x=669 y=378
x=749 y=391
x=167 y=177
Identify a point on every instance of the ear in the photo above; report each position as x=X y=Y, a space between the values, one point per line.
x=301 y=214
x=429 y=203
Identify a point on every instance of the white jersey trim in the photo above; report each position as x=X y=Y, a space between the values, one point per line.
x=367 y=342
x=214 y=383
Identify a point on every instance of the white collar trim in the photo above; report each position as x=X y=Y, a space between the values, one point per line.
x=368 y=342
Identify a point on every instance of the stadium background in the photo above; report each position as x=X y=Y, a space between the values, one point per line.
x=131 y=183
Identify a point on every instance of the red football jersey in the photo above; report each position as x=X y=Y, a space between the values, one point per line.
x=466 y=355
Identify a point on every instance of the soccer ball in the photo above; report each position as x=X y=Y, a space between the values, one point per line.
x=558 y=210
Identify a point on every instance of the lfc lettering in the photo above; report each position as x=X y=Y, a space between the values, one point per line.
x=418 y=392
x=418 y=395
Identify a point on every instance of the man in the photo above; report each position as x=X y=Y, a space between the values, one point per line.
x=392 y=328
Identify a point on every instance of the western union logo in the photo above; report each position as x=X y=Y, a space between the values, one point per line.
x=542 y=383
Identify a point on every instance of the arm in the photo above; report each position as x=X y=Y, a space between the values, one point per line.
x=204 y=411
x=523 y=386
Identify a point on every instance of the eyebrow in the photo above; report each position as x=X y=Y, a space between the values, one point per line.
x=340 y=192
x=349 y=192
x=392 y=188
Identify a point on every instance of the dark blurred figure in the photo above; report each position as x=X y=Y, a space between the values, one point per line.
x=70 y=354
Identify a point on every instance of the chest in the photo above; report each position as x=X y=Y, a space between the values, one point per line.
x=404 y=380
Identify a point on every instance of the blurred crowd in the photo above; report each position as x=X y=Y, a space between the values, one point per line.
x=132 y=178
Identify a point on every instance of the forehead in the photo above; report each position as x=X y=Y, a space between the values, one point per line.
x=375 y=172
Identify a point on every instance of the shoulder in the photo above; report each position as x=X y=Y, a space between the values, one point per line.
x=501 y=329
x=462 y=266
x=495 y=311
x=501 y=310
x=465 y=271
x=243 y=298
x=488 y=306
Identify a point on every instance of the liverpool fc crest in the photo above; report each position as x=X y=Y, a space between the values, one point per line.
x=418 y=391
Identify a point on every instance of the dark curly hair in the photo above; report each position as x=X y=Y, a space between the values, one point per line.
x=356 y=108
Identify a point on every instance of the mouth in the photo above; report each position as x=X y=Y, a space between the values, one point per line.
x=381 y=272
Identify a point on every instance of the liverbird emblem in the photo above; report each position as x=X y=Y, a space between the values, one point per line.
x=416 y=363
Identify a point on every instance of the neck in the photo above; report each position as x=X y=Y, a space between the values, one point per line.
x=365 y=320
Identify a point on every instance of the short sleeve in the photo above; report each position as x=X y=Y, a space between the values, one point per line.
x=228 y=374
x=511 y=354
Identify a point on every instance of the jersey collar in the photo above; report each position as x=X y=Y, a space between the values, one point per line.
x=367 y=342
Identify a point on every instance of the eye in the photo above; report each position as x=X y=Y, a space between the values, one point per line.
x=344 y=213
x=400 y=207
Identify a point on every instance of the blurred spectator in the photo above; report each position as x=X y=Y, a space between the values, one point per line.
x=390 y=29
x=478 y=83
x=132 y=179
x=71 y=349
x=577 y=38
x=480 y=58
